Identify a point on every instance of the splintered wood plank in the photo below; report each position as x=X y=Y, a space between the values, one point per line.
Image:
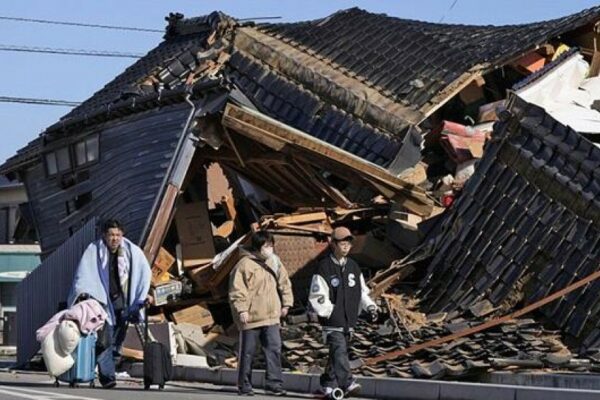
x=302 y=218
x=161 y=223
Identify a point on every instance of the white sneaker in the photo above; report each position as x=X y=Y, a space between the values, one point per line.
x=352 y=389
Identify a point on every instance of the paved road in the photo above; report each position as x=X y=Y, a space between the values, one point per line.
x=40 y=387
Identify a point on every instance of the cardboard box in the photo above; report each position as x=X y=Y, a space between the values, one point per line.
x=473 y=91
x=195 y=233
x=162 y=264
x=197 y=315
x=201 y=277
x=166 y=292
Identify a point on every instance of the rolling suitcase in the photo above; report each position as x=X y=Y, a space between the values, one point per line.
x=84 y=369
x=158 y=366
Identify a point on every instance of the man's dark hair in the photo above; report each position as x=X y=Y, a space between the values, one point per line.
x=260 y=238
x=112 y=223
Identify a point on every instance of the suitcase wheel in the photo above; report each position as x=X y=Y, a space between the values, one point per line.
x=56 y=383
x=161 y=387
x=146 y=387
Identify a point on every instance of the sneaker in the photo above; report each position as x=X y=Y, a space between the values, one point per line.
x=109 y=385
x=352 y=389
x=276 y=392
x=248 y=393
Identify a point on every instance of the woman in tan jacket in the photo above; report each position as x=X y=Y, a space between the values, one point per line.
x=260 y=294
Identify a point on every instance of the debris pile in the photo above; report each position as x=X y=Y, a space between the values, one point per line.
x=393 y=242
x=467 y=169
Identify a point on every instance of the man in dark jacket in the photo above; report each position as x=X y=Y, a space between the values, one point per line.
x=338 y=294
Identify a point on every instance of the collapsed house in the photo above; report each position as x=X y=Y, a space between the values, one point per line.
x=360 y=119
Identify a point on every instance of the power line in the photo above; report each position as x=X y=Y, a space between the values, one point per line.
x=45 y=102
x=257 y=18
x=45 y=21
x=73 y=52
x=450 y=9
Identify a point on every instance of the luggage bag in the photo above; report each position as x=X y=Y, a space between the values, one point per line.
x=84 y=369
x=158 y=366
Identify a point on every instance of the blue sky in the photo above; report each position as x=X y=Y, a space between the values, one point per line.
x=76 y=78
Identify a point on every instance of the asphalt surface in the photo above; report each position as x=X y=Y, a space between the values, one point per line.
x=19 y=386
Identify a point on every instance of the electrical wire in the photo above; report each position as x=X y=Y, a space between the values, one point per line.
x=44 y=102
x=449 y=9
x=257 y=18
x=45 y=21
x=75 y=52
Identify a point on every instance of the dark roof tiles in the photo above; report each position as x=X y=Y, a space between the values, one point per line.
x=526 y=209
x=389 y=53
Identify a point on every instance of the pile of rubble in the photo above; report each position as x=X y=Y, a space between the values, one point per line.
x=400 y=223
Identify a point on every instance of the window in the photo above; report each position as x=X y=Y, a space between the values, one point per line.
x=51 y=166
x=87 y=151
x=76 y=155
x=80 y=153
x=93 y=148
x=63 y=159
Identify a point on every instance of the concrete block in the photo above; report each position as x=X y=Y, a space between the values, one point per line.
x=258 y=379
x=229 y=377
x=204 y=375
x=296 y=382
x=408 y=389
x=555 y=394
x=314 y=383
x=475 y=391
x=551 y=380
x=369 y=386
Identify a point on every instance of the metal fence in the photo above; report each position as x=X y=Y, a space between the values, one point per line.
x=39 y=295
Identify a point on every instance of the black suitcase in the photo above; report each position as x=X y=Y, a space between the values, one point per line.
x=158 y=366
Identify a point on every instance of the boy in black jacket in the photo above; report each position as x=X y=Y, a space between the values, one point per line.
x=338 y=293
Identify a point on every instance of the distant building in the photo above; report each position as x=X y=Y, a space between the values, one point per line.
x=16 y=258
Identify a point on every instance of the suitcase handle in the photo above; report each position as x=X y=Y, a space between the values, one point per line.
x=145 y=336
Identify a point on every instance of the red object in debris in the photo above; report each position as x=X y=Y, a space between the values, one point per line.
x=454 y=128
x=447 y=200
x=462 y=143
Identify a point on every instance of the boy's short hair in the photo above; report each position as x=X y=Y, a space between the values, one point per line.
x=259 y=239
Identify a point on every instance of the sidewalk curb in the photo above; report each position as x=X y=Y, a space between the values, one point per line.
x=386 y=388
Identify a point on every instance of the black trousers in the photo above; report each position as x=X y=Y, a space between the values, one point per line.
x=270 y=340
x=337 y=373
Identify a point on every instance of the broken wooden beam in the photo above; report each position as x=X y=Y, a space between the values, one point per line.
x=489 y=324
x=277 y=135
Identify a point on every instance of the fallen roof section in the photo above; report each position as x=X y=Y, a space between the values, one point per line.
x=526 y=225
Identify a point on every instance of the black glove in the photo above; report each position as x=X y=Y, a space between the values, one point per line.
x=134 y=318
x=373 y=315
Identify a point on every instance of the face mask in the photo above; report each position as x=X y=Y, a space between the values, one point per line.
x=266 y=252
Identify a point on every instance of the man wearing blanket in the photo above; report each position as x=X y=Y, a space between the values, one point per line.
x=116 y=273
